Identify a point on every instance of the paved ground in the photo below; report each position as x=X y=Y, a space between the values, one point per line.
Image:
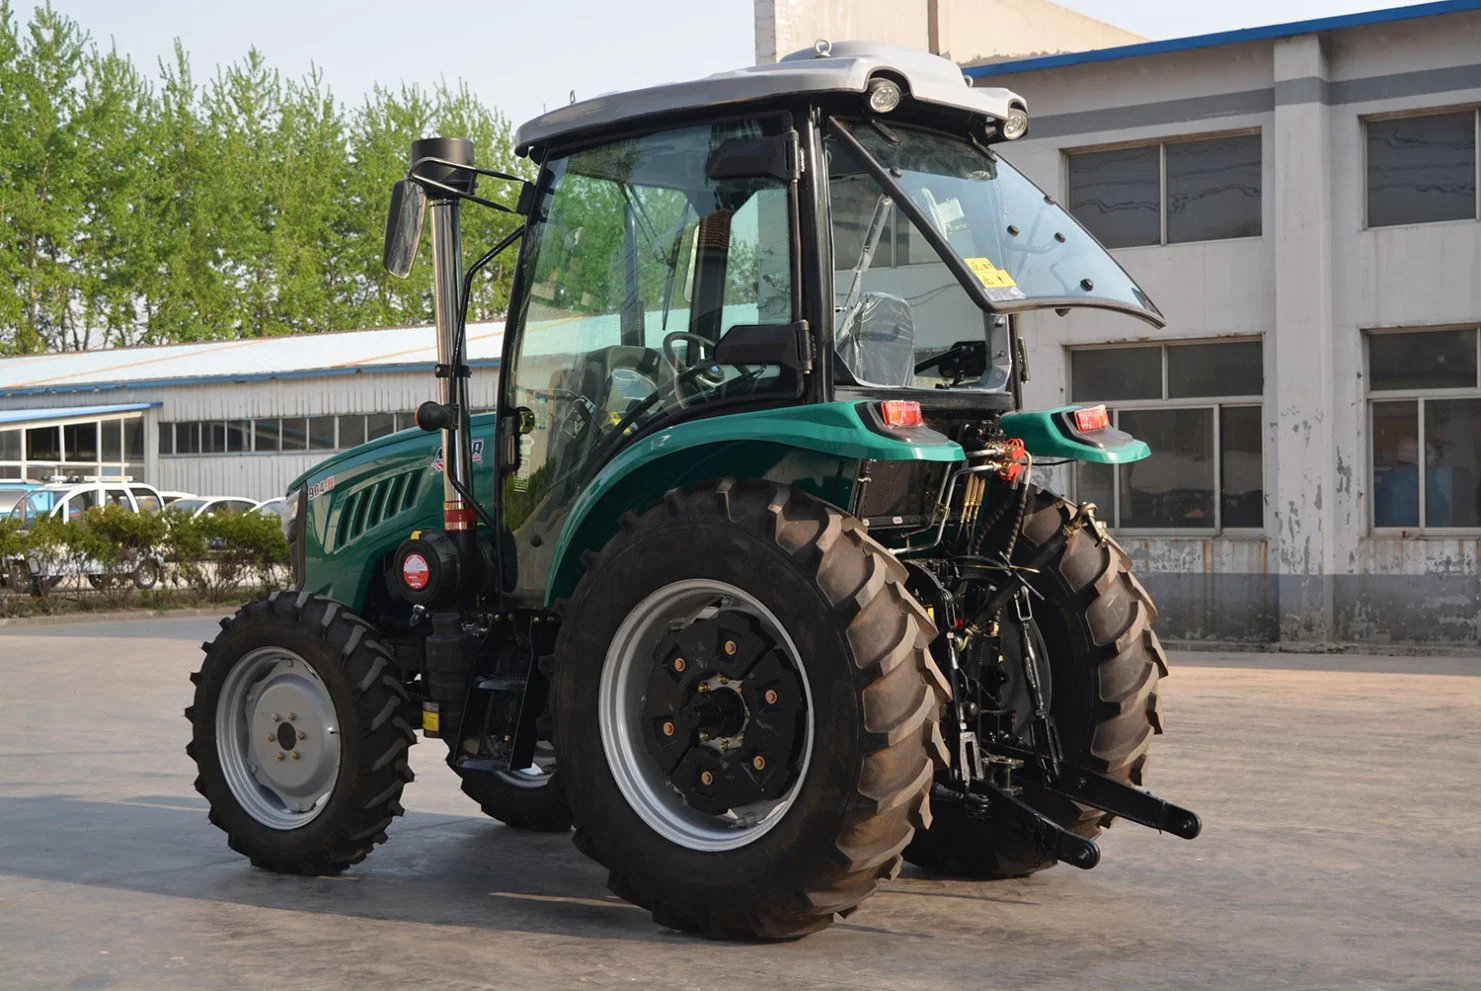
x=1341 y=798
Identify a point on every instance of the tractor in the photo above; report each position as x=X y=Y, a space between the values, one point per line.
x=749 y=576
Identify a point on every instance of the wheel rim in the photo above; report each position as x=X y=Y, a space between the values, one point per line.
x=646 y=674
x=277 y=738
x=538 y=774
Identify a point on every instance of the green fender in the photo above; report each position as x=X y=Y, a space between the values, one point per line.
x=816 y=448
x=1043 y=438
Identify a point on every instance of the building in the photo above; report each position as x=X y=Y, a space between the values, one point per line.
x=967 y=31
x=222 y=418
x=1301 y=201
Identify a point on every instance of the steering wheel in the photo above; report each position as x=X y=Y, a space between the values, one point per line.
x=696 y=372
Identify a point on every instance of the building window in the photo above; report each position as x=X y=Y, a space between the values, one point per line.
x=351 y=430
x=1422 y=169
x=1197 y=405
x=1425 y=409
x=321 y=433
x=1169 y=193
x=265 y=435
x=379 y=425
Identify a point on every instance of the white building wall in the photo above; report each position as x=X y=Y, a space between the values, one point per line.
x=1311 y=284
x=260 y=476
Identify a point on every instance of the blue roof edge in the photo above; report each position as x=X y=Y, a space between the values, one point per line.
x=30 y=415
x=1384 y=16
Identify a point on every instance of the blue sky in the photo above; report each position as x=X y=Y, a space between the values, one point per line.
x=524 y=55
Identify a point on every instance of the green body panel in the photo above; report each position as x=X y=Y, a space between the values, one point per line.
x=1043 y=439
x=816 y=448
x=351 y=523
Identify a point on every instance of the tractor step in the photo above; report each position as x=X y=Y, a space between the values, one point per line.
x=1090 y=788
x=990 y=803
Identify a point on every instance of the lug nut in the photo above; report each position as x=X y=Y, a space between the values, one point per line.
x=277 y=756
x=679 y=665
x=291 y=717
x=706 y=778
x=293 y=755
x=277 y=718
x=303 y=736
x=270 y=738
x=770 y=696
x=704 y=686
x=668 y=729
x=758 y=762
x=730 y=646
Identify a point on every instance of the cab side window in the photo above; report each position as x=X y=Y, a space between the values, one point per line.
x=80 y=502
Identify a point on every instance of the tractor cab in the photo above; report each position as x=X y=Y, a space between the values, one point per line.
x=750 y=578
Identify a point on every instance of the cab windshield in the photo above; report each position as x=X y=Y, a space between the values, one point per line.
x=904 y=313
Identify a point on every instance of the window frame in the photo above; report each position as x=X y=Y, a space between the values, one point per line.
x=1363 y=121
x=1161 y=145
x=1213 y=404
x=1418 y=397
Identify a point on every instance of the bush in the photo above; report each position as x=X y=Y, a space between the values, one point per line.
x=213 y=555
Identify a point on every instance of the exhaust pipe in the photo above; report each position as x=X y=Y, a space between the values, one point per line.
x=459 y=518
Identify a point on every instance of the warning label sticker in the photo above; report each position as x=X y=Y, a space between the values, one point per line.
x=998 y=283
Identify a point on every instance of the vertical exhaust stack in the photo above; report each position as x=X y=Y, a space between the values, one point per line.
x=459 y=518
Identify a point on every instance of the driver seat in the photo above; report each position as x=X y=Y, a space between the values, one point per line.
x=879 y=347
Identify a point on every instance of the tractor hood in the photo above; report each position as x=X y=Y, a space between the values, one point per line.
x=483 y=425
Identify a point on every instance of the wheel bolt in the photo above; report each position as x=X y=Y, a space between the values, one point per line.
x=270 y=738
x=302 y=736
x=293 y=755
x=291 y=717
x=770 y=696
x=758 y=762
x=668 y=729
x=277 y=756
x=704 y=686
x=730 y=646
x=277 y=718
x=679 y=664
x=706 y=778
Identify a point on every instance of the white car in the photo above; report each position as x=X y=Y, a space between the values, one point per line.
x=196 y=506
x=171 y=497
x=68 y=501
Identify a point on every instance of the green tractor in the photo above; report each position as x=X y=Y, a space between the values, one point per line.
x=748 y=577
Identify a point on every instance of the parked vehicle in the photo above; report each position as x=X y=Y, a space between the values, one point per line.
x=749 y=577
x=170 y=497
x=68 y=500
x=212 y=505
x=272 y=507
x=13 y=492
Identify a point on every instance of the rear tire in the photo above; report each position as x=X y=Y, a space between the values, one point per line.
x=360 y=715
x=856 y=787
x=1105 y=661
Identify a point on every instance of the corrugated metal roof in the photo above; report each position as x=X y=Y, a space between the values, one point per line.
x=342 y=353
x=68 y=412
x=1286 y=30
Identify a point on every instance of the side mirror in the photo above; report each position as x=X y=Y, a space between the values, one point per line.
x=404 y=226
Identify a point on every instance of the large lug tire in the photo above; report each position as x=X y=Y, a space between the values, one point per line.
x=533 y=799
x=301 y=655
x=829 y=608
x=1096 y=622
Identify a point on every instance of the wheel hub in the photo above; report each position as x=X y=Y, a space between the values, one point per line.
x=729 y=747
x=278 y=738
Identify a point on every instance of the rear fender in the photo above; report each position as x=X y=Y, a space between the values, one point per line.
x=1051 y=433
x=815 y=448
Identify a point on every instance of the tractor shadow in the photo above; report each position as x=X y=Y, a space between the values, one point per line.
x=446 y=870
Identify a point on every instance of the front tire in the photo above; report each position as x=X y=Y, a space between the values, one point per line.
x=298 y=733
x=1105 y=664
x=831 y=677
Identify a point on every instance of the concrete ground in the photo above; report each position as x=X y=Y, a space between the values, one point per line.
x=1341 y=798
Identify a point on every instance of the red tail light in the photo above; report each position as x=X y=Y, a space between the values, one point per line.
x=901 y=413
x=1092 y=418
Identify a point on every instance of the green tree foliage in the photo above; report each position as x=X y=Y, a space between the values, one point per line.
x=145 y=211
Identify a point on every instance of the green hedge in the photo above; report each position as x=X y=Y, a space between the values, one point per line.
x=117 y=552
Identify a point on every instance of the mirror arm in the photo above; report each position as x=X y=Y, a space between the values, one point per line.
x=443 y=187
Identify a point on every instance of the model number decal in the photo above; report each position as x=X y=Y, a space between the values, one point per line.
x=316 y=489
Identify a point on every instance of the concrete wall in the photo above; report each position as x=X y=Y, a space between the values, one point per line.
x=964 y=30
x=1310 y=285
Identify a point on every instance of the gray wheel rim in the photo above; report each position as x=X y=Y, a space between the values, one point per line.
x=538 y=774
x=277 y=738
x=621 y=695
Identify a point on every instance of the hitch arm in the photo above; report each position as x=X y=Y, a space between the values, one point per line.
x=989 y=803
x=1097 y=790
